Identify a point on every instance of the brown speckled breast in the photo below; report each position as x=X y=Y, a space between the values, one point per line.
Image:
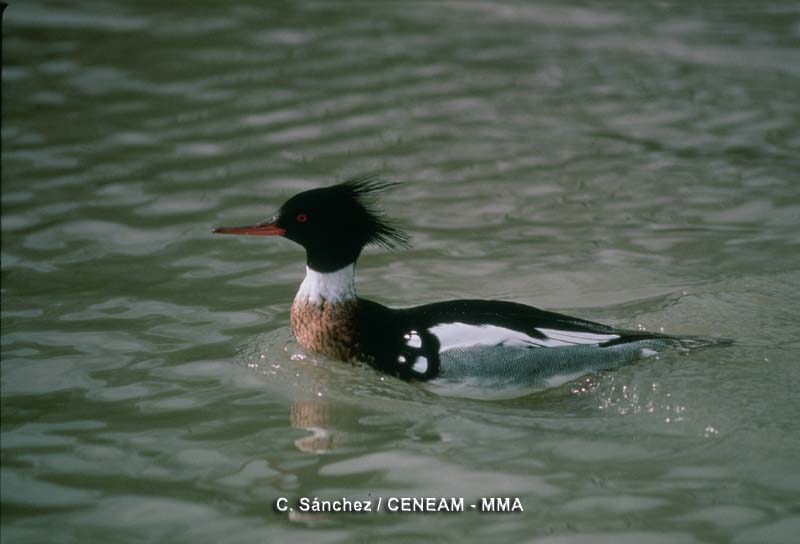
x=326 y=328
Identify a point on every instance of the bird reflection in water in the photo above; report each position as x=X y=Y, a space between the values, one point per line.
x=313 y=416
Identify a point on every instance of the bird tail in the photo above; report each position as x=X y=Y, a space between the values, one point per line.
x=687 y=343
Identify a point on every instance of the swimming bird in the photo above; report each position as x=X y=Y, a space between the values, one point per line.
x=499 y=342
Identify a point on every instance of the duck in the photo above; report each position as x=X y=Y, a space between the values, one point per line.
x=496 y=342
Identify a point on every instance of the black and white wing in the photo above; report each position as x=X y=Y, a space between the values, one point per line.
x=413 y=343
x=474 y=323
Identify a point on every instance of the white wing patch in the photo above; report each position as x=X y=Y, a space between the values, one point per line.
x=461 y=335
x=412 y=339
x=420 y=365
x=577 y=337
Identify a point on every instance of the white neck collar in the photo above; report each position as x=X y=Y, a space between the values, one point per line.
x=332 y=287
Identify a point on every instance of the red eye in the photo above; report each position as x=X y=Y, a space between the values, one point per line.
x=301 y=218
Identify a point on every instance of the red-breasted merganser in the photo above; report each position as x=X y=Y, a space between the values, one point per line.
x=454 y=340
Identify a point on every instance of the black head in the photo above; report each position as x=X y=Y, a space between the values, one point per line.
x=333 y=223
